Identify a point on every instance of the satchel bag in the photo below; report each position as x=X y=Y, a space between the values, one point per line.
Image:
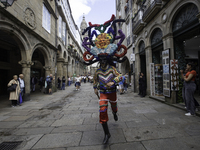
x=12 y=88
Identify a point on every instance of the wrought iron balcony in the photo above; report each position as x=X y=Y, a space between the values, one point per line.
x=118 y=4
x=137 y=22
x=151 y=10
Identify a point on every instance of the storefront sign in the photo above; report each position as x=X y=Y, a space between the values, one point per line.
x=152 y=79
x=166 y=73
x=174 y=75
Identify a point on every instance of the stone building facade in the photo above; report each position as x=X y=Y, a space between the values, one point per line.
x=157 y=26
x=29 y=43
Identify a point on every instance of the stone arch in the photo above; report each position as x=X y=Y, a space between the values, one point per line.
x=45 y=52
x=152 y=31
x=156 y=36
x=137 y=44
x=172 y=15
x=18 y=36
x=141 y=46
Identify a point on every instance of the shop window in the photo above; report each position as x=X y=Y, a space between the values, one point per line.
x=46 y=19
x=64 y=32
x=60 y=26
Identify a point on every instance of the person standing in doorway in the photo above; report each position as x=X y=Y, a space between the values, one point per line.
x=14 y=95
x=142 y=85
x=190 y=88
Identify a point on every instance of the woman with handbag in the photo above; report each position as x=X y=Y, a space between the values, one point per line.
x=14 y=89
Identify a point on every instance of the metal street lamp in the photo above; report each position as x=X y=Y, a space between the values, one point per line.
x=7 y=3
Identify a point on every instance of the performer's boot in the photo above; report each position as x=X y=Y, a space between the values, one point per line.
x=115 y=116
x=107 y=133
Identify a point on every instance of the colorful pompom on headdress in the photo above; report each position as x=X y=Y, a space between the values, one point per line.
x=103 y=47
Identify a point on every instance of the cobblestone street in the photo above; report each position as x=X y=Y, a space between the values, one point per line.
x=68 y=119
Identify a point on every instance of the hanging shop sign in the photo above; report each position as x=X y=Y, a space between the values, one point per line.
x=166 y=73
x=152 y=79
x=174 y=75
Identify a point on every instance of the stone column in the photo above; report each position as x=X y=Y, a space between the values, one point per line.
x=168 y=42
x=26 y=71
x=148 y=53
x=65 y=69
x=137 y=71
x=47 y=70
x=60 y=64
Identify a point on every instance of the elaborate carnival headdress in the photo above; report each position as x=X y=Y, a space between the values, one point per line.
x=103 y=46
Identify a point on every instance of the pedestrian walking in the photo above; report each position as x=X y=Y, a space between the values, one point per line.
x=190 y=88
x=69 y=81
x=121 y=85
x=22 y=88
x=14 y=93
x=63 y=83
x=59 y=83
x=49 y=83
x=142 y=85
x=33 y=83
x=105 y=79
x=84 y=79
x=77 y=83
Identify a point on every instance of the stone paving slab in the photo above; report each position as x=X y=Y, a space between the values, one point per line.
x=32 y=131
x=59 y=140
x=150 y=133
x=74 y=128
x=34 y=124
x=17 y=118
x=172 y=144
x=8 y=124
x=127 y=146
x=98 y=147
x=96 y=137
x=145 y=123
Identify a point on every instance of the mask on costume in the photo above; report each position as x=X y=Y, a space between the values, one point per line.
x=103 y=48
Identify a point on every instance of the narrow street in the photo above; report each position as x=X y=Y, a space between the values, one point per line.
x=68 y=119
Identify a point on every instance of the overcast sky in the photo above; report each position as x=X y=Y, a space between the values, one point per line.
x=96 y=11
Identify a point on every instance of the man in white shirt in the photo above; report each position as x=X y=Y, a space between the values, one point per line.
x=78 y=84
x=22 y=84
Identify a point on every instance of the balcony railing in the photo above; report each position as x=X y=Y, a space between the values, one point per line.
x=128 y=39
x=118 y=4
x=137 y=22
x=151 y=10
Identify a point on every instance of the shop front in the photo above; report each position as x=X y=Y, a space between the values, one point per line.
x=186 y=33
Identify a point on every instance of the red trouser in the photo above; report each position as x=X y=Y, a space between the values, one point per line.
x=103 y=105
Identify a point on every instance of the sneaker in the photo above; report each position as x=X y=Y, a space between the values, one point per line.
x=12 y=106
x=76 y=89
x=196 y=109
x=189 y=114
